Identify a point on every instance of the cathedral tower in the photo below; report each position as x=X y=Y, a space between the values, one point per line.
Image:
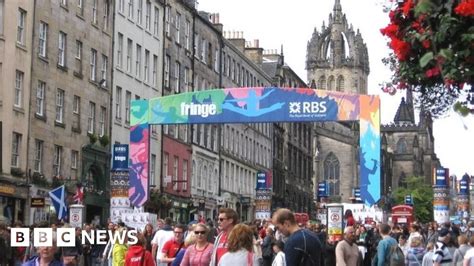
x=337 y=57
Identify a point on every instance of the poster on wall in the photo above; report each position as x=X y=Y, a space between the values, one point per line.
x=335 y=223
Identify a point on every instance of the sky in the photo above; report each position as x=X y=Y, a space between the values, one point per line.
x=276 y=22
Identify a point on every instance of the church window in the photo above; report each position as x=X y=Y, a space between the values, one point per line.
x=332 y=174
x=402 y=146
x=322 y=83
x=340 y=83
x=331 y=83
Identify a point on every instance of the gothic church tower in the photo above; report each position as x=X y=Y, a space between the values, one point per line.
x=337 y=57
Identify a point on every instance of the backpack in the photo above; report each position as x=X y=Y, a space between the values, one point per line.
x=395 y=256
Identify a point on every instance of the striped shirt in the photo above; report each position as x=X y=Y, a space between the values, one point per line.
x=442 y=254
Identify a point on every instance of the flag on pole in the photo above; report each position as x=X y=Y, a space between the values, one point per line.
x=79 y=196
x=58 y=197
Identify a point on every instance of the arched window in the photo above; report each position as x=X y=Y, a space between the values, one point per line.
x=402 y=146
x=322 y=83
x=331 y=83
x=340 y=83
x=331 y=173
x=193 y=173
x=204 y=177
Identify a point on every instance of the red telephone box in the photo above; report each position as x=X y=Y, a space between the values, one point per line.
x=403 y=214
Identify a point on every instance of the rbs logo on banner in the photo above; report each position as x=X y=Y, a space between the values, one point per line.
x=307 y=107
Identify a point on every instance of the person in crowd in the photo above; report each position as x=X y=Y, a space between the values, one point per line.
x=469 y=257
x=347 y=252
x=172 y=247
x=107 y=253
x=148 y=233
x=432 y=234
x=119 y=249
x=361 y=241
x=403 y=244
x=278 y=247
x=349 y=218
x=138 y=255
x=211 y=236
x=415 y=231
x=257 y=242
x=373 y=238
x=227 y=219
x=441 y=255
x=161 y=237
x=415 y=253
x=460 y=252
x=239 y=247
x=267 y=249
x=428 y=257
x=189 y=240
x=70 y=257
x=45 y=256
x=384 y=245
x=302 y=246
x=199 y=254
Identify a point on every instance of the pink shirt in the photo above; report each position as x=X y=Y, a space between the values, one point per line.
x=196 y=257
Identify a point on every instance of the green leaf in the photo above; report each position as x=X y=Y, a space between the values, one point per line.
x=426 y=59
x=423 y=7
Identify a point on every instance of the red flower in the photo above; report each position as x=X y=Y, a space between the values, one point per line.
x=400 y=48
x=391 y=30
x=465 y=8
x=435 y=71
x=426 y=44
x=407 y=6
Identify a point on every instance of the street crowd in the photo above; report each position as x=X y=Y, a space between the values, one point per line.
x=273 y=242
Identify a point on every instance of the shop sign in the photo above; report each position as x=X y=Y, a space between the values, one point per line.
x=37 y=202
x=176 y=204
x=7 y=190
x=184 y=205
x=245 y=200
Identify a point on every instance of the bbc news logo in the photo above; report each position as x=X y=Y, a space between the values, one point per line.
x=66 y=237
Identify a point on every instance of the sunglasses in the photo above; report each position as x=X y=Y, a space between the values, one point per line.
x=200 y=232
x=178 y=233
x=222 y=219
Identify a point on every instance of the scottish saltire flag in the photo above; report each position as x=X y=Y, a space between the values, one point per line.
x=58 y=197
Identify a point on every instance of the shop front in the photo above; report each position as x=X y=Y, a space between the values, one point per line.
x=41 y=209
x=180 y=210
x=12 y=203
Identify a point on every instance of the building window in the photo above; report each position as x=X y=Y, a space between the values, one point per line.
x=38 y=161
x=2 y=14
x=40 y=93
x=340 y=83
x=120 y=50
x=402 y=146
x=139 y=12
x=76 y=112
x=129 y=55
x=130 y=9
x=59 y=106
x=58 y=150
x=91 y=118
x=146 y=67
x=106 y=14
x=187 y=74
x=152 y=169
x=187 y=33
x=20 y=33
x=62 y=49
x=167 y=20
x=216 y=61
x=177 y=74
x=128 y=99
x=121 y=5
x=167 y=71
x=203 y=51
x=175 y=172
x=80 y=6
x=94 y=11
x=103 y=71
x=331 y=174
x=322 y=83
x=74 y=159
x=196 y=45
x=93 y=64
x=78 y=57
x=19 y=76
x=118 y=103
x=185 y=175
x=164 y=171
x=156 y=21
x=43 y=39
x=138 y=62
x=148 y=15
x=178 y=26
x=102 y=119
x=16 y=142
x=155 y=70
x=331 y=83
